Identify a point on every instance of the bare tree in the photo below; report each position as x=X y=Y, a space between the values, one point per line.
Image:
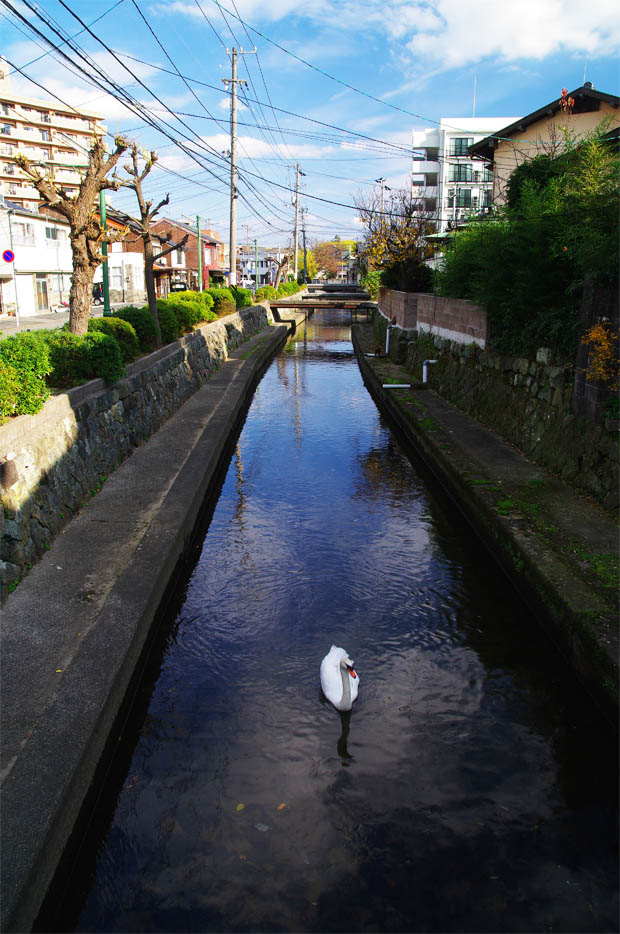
x=396 y=231
x=282 y=265
x=86 y=233
x=147 y=213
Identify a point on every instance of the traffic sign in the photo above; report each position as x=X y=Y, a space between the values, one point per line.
x=8 y=256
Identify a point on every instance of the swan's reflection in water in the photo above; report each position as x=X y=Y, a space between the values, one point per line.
x=343 y=751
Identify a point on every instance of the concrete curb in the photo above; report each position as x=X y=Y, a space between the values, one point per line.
x=82 y=617
x=570 y=608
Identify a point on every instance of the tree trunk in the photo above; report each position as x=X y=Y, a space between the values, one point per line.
x=81 y=294
x=149 y=279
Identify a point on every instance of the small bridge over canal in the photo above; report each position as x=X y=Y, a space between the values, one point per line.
x=346 y=295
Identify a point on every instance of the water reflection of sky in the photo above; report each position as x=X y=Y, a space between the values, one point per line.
x=251 y=804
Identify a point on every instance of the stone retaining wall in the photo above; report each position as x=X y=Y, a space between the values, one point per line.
x=527 y=402
x=50 y=463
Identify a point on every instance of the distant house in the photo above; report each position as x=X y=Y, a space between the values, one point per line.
x=185 y=269
x=542 y=131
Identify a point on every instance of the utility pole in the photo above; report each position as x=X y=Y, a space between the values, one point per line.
x=255 y=263
x=298 y=172
x=199 y=252
x=233 y=81
x=303 y=236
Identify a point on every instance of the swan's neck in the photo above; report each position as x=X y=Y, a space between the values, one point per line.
x=346 y=686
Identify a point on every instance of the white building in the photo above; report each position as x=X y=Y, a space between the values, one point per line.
x=268 y=259
x=451 y=185
x=39 y=276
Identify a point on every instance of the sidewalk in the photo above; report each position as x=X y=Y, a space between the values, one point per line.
x=559 y=547
x=47 y=319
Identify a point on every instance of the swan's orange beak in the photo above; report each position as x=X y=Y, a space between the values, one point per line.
x=351 y=671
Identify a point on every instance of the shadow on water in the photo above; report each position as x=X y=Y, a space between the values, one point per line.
x=471 y=788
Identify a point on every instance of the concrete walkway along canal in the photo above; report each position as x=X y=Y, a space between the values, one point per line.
x=472 y=787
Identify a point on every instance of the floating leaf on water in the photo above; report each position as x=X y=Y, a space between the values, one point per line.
x=263 y=828
x=281 y=806
x=240 y=807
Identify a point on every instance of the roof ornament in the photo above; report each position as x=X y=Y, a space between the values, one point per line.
x=566 y=103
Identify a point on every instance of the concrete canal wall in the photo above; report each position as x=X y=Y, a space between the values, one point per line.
x=558 y=547
x=529 y=402
x=52 y=462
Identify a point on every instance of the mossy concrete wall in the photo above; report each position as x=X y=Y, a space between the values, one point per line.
x=527 y=402
x=54 y=460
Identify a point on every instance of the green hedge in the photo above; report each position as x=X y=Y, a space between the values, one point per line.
x=243 y=297
x=168 y=322
x=265 y=292
x=143 y=324
x=77 y=358
x=219 y=296
x=24 y=365
x=122 y=331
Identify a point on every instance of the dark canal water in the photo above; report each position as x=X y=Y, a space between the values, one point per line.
x=473 y=786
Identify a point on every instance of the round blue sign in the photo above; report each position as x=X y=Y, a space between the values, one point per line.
x=8 y=256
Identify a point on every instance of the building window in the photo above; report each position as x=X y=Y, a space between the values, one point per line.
x=54 y=233
x=6 y=129
x=45 y=134
x=5 y=109
x=460 y=173
x=463 y=198
x=116 y=277
x=9 y=169
x=487 y=198
x=460 y=144
x=178 y=258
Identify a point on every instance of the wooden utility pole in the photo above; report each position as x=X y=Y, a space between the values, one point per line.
x=298 y=172
x=233 y=81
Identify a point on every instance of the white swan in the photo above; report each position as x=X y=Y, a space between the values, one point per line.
x=339 y=681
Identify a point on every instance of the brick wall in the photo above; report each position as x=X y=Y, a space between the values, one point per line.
x=453 y=318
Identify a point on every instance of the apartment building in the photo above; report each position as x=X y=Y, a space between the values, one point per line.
x=449 y=183
x=48 y=133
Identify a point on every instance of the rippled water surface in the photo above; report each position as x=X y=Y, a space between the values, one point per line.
x=472 y=788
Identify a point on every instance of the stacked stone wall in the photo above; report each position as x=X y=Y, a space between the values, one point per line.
x=51 y=462
x=527 y=402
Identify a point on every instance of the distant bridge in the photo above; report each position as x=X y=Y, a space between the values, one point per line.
x=346 y=295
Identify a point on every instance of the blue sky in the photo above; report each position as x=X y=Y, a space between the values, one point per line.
x=375 y=69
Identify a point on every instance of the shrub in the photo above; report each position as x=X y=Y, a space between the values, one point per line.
x=122 y=331
x=187 y=312
x=371 y=282
x=104 y=357
x=77 y=358
x=243 y=297
x=10 y=388
x=265 y=293
x=219 y=296
x=27 y=355
x=143 y=324
x=226 y=308
x=168 y=322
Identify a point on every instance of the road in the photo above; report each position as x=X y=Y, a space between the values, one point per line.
x=46 y=320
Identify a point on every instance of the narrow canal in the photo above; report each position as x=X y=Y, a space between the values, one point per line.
x=473 y=786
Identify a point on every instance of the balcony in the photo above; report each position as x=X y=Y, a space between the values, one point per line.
x=422 y=166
